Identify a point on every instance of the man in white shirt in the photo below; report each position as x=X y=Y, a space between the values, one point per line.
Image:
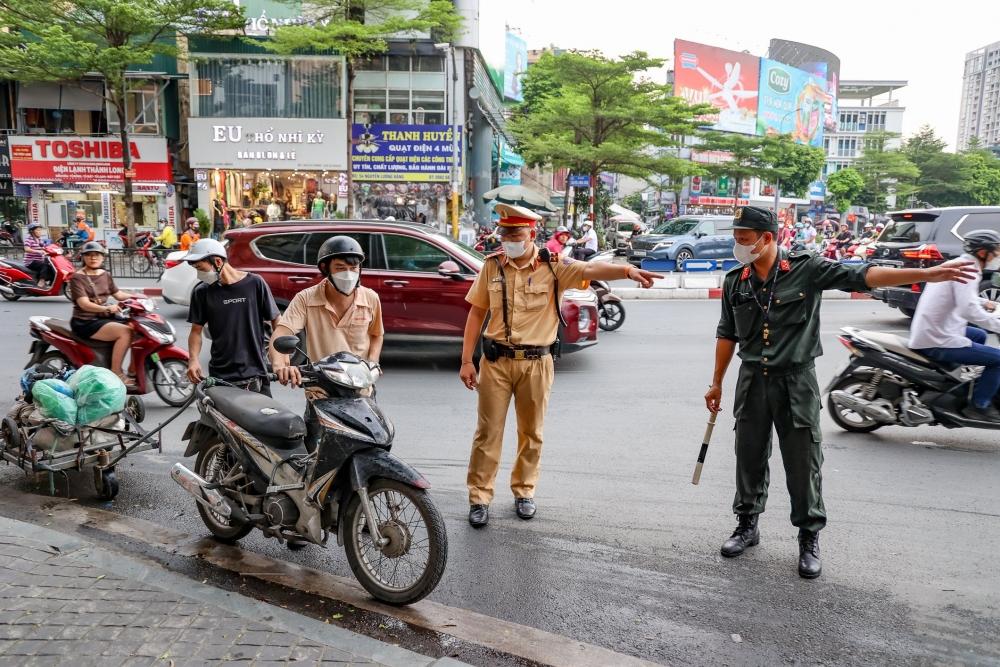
x=586 y=245
x=943 y=324
x=273 y=211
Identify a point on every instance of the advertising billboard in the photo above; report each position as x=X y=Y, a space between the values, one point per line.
x=791 y=101
x=515 y=64
x=72 y=159
x=268 y=143
x=402 y=152
x=6 y=184
x=816 y=61
x=725 y=79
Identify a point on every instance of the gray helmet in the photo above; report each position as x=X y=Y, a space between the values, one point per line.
x=93 y=246
x=338 y=247
x=981 y=239
x=34 y=225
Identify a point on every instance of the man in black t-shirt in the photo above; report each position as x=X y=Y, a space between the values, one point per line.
x=234 y=305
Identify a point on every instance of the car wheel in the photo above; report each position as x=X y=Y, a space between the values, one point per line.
x=907 y=311
x=989 y=291
x=683 y=256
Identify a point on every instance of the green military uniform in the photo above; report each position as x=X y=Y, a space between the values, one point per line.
x=776 y=323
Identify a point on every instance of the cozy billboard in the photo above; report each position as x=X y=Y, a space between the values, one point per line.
x=725 y=79
x=792 y=102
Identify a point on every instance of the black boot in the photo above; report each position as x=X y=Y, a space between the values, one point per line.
x=479 y=515
x=745 y=535
x=810 y=566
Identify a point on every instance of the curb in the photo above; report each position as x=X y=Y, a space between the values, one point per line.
x=152 y=291
x=665 y=293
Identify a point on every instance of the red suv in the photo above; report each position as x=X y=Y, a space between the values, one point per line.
x=421 y=276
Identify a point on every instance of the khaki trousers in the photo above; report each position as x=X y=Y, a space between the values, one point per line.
x=529 y=382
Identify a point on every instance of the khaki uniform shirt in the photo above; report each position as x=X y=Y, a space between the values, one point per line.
x=531 y=297
x=325 y=334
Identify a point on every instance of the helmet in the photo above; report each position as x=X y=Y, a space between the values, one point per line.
x=34 y=225
x=562 y=229
x=587 y=223
x=191 y=221
x=338 y=247
x=799 y=225
x=204 y=249
x=981 y=239
x=93 y=246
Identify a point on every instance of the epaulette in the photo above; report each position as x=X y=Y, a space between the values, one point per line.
x=553 y=258
x=498 y=253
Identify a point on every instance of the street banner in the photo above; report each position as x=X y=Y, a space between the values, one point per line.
x=720 y=77
x=75 y=159
x=403 y=152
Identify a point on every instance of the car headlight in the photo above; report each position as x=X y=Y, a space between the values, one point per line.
x=663 y=244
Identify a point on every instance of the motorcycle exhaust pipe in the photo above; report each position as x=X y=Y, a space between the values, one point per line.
x=195 y=485
x=862 y=407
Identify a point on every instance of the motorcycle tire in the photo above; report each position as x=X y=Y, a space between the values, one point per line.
x=53 y=362
x=182 y=388
x=10 y=297
x=212 y=464
x=66 y=292
x=866 y=425
x=436 y=539
x=136 y=408
x=610 y=316
x=140 y=263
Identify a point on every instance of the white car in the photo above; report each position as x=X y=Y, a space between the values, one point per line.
x=178 y=279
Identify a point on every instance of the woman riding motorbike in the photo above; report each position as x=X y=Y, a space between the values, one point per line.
x=34 y=254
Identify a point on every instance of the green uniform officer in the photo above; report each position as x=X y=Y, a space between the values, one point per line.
x=770 y=307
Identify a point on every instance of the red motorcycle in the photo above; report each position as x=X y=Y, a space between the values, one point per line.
x=159 y=364
x=17 y=280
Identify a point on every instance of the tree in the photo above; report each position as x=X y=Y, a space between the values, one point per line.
x=635 y=202
x=984 y=176
x=64 y=41
x=794 y=165
x=844 y=187
x=360 y=29
x=884 y=170
x=591 y=114
x=945 y=178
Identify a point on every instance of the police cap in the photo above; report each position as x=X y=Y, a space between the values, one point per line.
x=756 y=218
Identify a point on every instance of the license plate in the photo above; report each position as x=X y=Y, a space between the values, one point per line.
x=639 y=253
x=887 y=262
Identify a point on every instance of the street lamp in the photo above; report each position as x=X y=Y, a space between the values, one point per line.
x=450 y=66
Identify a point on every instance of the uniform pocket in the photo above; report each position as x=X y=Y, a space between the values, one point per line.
x=495 y=291
x=536 y=296
x=789 y=308
x=803 y=398
x=744 y=384
x=746 y=316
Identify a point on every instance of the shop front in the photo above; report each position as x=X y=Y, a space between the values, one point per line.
x=60 y=175
x=246 y=166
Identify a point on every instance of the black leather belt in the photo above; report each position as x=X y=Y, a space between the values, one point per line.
x=523 y=352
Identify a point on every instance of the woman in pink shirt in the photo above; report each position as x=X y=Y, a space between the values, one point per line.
x=557 y=243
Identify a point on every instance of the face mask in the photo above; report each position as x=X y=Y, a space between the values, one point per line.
x=993 y=264
x=208 y=277
x=345 y=282
x=744 y=254
x=514 y=249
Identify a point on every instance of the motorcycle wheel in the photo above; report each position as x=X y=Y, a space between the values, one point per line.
x=611 y=316
x=213 y=464
x=848 y=419
x=53 y=362
x=411 y=522
x=66 y=292
x=10 y=297
x=175 y=389
x=136 y=408
x=140 y=263
x=11 y=435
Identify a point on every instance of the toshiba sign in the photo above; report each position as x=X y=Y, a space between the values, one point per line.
x=87 y=159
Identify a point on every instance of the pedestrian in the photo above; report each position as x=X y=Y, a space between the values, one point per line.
x=220 y=218
x=190 y=235
x=337 y=314
x=770 y=307
x=520 y=290
x=273 y=211
x=234 y=305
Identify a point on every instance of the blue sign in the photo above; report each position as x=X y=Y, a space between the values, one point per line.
x=421 y=153
x=579 y=180
x=817 y=190
x=515 y=64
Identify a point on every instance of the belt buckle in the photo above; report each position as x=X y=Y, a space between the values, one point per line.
x=519 y=355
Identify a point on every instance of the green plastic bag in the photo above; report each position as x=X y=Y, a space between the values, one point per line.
x=99 y=393
x=55 y=400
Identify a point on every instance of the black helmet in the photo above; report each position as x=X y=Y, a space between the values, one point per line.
x=93 y=246
x=981 y=239
x=341 y=247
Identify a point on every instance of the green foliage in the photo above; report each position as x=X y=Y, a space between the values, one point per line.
x=634 y=202
x=795 y=165
x=884 y=170
x=984 y=177
x=844 y=187
x=945 y=178
x=204 y=223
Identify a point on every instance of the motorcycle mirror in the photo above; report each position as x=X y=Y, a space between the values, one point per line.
x=286 y=344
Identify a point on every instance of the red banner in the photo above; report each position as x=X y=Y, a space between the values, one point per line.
x=87 y=159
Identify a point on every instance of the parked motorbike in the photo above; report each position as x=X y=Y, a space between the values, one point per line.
x=17 y=280
x=160 y=365
x=886 y=383
x=256 y=468
x=488 y=242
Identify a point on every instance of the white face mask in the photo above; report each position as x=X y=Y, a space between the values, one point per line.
x=744 y=254
x=208 y=277
x=345 y=282
x=514 y=249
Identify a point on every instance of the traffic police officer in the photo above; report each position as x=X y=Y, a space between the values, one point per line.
x=519 y=289
x=770 y=306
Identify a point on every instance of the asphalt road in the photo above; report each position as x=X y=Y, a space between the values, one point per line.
x=624 y=550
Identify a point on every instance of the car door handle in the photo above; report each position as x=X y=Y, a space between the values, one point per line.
x=299 y=279
x=397 y=283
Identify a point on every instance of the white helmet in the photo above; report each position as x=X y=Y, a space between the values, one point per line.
x=204 y=249
x=587 y=223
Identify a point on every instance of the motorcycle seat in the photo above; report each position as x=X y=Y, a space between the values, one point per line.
x=267 y=420
x=63 y=328
x=20 y=266
x=897 y=344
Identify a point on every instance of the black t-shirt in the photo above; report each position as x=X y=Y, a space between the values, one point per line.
x=235 y=315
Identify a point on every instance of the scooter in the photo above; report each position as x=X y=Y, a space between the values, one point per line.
x=610 y=309
x=885 y=383
x=257 y=468
x=160 y=365
x=17 y=280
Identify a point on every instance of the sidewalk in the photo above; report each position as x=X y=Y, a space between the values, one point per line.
x=64 y=600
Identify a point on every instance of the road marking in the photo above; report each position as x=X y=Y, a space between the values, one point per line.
x=510 y=638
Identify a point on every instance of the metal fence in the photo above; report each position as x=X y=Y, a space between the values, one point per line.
x=121 y=262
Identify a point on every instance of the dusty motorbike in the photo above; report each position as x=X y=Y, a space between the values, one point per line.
x=257 y=467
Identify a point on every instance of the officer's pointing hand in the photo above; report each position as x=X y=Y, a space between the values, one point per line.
x=961 y=271
x=469 y=376
x=644 y=278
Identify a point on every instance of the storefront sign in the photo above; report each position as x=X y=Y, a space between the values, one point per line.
x=87 y=159
x=6 y=184
x=268 y=143
x=403 y=152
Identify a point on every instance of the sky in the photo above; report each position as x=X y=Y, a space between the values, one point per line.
x=922 y=44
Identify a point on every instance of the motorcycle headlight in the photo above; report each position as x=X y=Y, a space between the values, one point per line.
x=357 y=376
x=161 y=337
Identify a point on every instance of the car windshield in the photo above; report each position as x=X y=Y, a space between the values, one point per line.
x=676 y=227
x=907 y=231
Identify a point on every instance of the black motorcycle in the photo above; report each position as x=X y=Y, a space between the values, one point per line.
x=256 y=468
x=886 y=383
x=610 y=309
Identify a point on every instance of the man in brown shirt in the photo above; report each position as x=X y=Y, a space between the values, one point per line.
x=520 y=289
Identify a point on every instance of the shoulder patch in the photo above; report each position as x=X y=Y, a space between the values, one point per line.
x=498 y=253
x=736 y=269
x=784 y=265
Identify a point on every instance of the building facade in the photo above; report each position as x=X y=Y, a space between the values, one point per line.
x=866 y=108
x=979 y=112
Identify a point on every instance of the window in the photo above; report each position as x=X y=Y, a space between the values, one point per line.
x=399 y=63
x=372 y=255
x=142 y=106
x=428 y=64
x=422 y=107
x=406 y=253
x=978 y=221
x=267 y=87
x=707 y=228
x=280 y=247
x=372 y=64
x=847 y=147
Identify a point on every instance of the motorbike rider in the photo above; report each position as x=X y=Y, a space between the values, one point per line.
x=190 y=235
x=93 y=316
x=557 y=244
x=586 y=245
x=949 y=324
x=809 y=234
x=844 y=239
x=167 y=238
x=338 y=315
x=84 y=232
x=34 y=254
x=234 y=305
